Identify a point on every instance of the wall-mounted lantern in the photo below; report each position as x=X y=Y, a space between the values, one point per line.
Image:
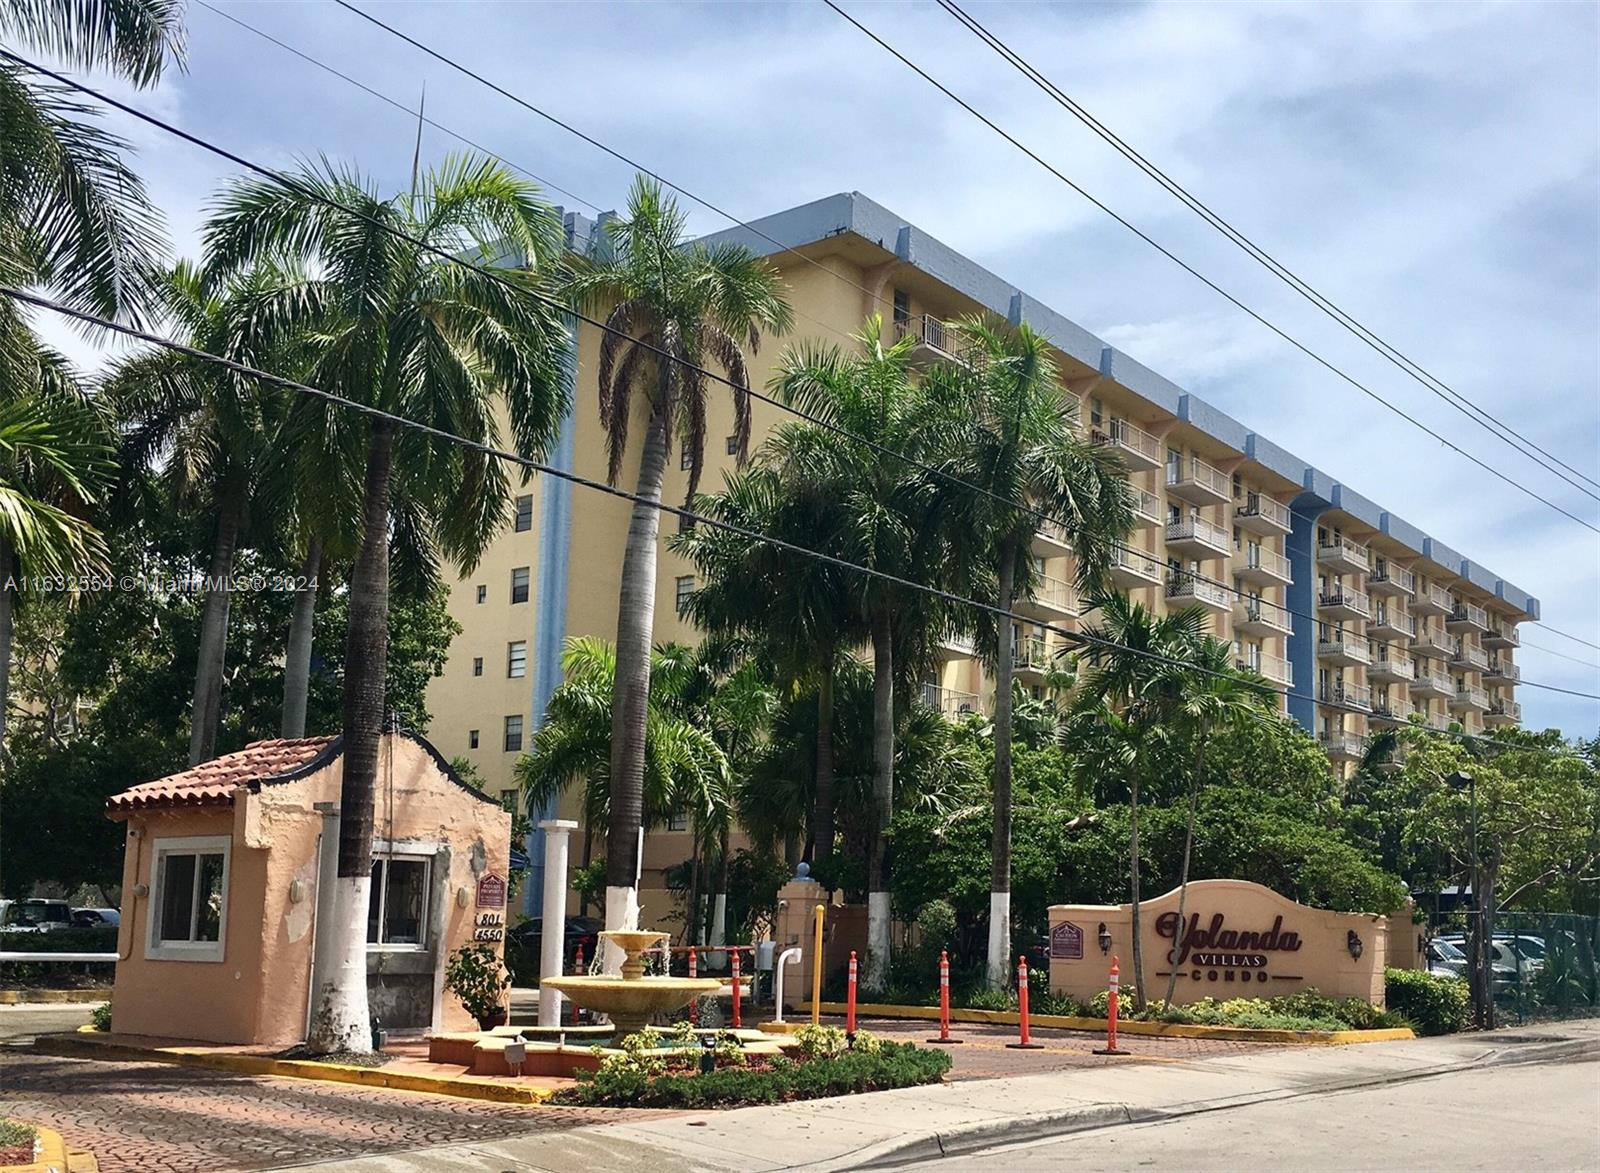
x=1104 y=937
x=1352 y=942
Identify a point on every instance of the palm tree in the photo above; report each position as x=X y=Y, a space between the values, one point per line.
x=797 y=610
x=1131 y=691
x=1214 y=697
x=891 y=510
x=1021 y=448
x=698 y=305
x=400 y=327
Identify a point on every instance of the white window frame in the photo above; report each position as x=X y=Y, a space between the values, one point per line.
x=155 y=949
x=516 y=669
x=384 y=856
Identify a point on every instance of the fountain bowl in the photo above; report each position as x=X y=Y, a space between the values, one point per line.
x=631 y=1000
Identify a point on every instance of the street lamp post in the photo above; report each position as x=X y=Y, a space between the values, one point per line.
x=1482 y=967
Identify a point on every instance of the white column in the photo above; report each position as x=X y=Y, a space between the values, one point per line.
x=553 y=927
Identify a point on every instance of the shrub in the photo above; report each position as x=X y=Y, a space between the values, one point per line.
x=1435 y=1004
x=100 y=939
x=891 y=1065
x=936 y=932
x=820 y=1042
x=477 y=979
x=100 y=1016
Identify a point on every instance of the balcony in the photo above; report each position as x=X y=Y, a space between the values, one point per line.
x=1432 y=684
x=1392 y=666
x=1341 y=602
x=1195 y=537
x=951 y=702
x=1342 y=556
x=1468 y=658
x=1146 y=509
x=1050 y=540
x=1501 y=671
x=1198 y=482
x=1262 y=515
x=1031 y=659
x=1343 y=747
x=1346 y=651
x=1388 y=579
x=1139 y=450
x=1052 y=599
x=1432 y=641
x=1431 y=600
x=1184 y=589
x=934 y=340
x=1259 y=617
x=1350 y=696
x=1391 y=623
x=1132 y=570
x=1503 y=712
x=1467 y=617
x=1385 y=712
x=1502 y=635
x=956 y=647
x=1274 y=668
x=1471 y=698
x=1259 y=565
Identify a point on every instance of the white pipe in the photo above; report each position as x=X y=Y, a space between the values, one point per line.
x=58 y=957
x=788 y=955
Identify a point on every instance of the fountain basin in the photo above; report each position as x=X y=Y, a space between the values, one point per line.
x=631 y=1002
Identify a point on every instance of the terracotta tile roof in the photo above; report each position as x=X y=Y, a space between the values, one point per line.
x=215 y=781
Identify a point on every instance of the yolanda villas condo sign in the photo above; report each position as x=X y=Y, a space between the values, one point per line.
x=1239 y=935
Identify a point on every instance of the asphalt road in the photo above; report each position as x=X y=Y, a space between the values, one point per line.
x=1534 y=1116
x=19 y=1024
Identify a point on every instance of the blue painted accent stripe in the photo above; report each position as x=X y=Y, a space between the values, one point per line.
x=1302 y=599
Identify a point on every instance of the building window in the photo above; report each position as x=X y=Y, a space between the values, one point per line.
x=1097 y=412
x=902 y=307
x=524 y=513
x=517 y=659
x=519 y=585
x=477 y=665
x=397 y=907
x=514 y=733
x=733 y=445
x=677 y=821
x=189 y=906
x=685 y=458
x=483 y=592
x=685 y=523
x=685 y=589
x=472 y=739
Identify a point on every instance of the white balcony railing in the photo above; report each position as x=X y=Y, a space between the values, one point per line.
x=1249 y=658
x=1472 y=658
x=1258 y=557
x=1261 y=613
x=1342 y=551
x=1387 y=574
x=1355 y=696
x=952 y=702
x=1342 y=745
x=1197 y=475
x=1342 y=598
x=1186 y=588
x=1129 y=439
x=1197 y=530
x=1259 y=507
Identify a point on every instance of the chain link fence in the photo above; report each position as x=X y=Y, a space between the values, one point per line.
x=1543 y=965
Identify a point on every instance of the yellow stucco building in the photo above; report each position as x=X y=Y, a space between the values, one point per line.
x=1360 y=616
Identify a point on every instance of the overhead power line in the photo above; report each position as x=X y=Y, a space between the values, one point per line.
x=1577 y=639
x=529 y=464
x=291 y=184
x=1560 y=655
x=1490 y=423
x=1196 y=274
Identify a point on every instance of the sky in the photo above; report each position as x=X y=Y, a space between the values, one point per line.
x=1432 y=168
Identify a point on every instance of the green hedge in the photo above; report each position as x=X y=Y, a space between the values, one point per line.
x=893 y=1065
x=1433 y=1004
x=100 y=939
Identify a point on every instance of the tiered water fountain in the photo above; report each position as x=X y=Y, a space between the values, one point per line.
x=630 y=999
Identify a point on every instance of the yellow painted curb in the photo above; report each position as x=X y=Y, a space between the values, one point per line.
x=1170 y=1030
x=17 y=997
x=292 y=1069
x=55 y=1155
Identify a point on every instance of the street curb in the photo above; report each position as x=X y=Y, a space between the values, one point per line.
x=74 y=1046
x=19 y=997
x=1170 y=1030
x=55 y=1155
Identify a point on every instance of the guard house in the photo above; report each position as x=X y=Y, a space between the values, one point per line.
x=225 y=863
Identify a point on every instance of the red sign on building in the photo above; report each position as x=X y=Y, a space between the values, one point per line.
x=1066 y=942
x=492 y=891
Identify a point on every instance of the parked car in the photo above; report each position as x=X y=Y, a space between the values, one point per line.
x=1446 y=959
x=527 y=938
x=92 y=918
x=35 y=915
x=1511 y=956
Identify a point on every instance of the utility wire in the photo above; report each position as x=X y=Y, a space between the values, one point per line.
x=1494 y=426
x=290 y=183
x=1196 y=274
x=531 y=465
x=1562 y=655
x=1567 y=635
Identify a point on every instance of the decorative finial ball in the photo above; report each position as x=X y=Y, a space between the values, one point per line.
x=802 y=870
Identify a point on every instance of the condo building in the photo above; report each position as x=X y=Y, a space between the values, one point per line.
x=1360 y=618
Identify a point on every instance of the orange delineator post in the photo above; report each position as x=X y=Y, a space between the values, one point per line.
x=850 y=998
x=944 y=1001
x=734 y=957
x=1024 y=1041
x=1111 y=1047
x=694 y=1006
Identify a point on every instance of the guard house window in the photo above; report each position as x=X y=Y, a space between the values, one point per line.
x=517 y=659
x=513 y=742
x=902 y=307
x=190 y=901
x=483 y=593
x=472 y=739
x=396 y=909
x=685 y=584
x=524 y=513
x=519 y=585
x=477 y=665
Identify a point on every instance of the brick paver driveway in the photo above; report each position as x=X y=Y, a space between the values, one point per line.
x=151 y=1116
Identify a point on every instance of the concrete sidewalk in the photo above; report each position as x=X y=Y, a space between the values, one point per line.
x=889 y=1128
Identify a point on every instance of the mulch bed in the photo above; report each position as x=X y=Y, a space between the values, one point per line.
x=17 y=1154
x=347 y=1058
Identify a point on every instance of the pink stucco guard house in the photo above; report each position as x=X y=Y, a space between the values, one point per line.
x=224 y=865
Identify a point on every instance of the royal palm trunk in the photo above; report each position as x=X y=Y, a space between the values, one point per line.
x=206 y=703
x=1188 y=847
x=879 y=929
x=341 y=1020
x=1000 y=850
x=822 y=811
x=1133 y=883
x=8 y=603
x=297 y=650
